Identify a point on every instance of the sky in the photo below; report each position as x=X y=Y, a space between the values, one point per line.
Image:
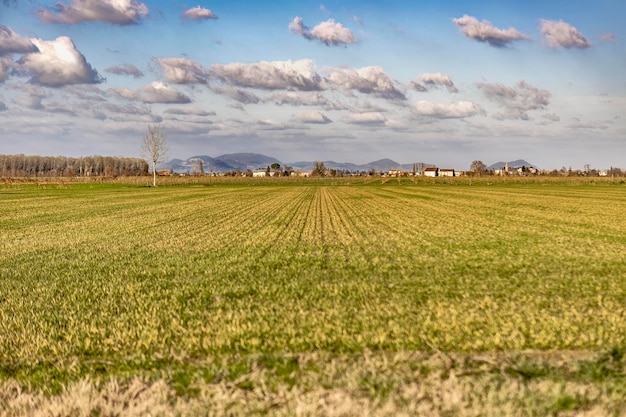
x=444 y=82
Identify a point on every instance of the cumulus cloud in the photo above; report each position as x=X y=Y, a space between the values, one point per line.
x=156 y=92
x=244 y=97
x=58 y=63
x=126 y=69
x=117 y=12
x=516 y=100
x=456 y=110
x=366 y=80
x=5 y=63
x=367 y=118
x=181 y=71
x=437 y=79
x=30 y=101
x=198 y=13
x=485 y=32
x=314 y=117
x=558 y=34
x=12 y=43
x=275 y=75
x=330 y=33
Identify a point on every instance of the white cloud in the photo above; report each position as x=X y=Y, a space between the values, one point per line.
x=5 y=63
x=560 y=34
x=516 y=100
x=456 y=110
x=296 y=98
x=118 y=12
x=198 y=13
x=156 y=92
x=30 y=101
x=368 y=118
x=58 y=63
x=275 y=75
x=397 y=125
x=126 y=69
x=485 y=32
x=434 y=80
x=314 y=117
x=366 y=80
x=12 y=43
x=330 y=33
x=181 y=70
x=244 y=97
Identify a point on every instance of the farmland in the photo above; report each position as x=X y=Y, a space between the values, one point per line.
x=264 y=296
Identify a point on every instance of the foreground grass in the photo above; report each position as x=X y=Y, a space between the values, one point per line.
x=368 y=384
x=192 y=288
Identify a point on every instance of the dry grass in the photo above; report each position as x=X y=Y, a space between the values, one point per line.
x=369 y=384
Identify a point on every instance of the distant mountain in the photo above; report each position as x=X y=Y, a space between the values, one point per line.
x=518 y=163
x=222 y=163
x=381 y=165
x=243 y=161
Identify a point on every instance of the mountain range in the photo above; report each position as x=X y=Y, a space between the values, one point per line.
x=252 y=161
x=243 y=161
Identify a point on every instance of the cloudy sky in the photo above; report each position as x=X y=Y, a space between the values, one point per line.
x=437 y=81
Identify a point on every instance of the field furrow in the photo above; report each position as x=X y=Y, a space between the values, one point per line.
x=134 y=277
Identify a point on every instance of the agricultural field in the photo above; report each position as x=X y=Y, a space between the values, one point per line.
x=459 y=297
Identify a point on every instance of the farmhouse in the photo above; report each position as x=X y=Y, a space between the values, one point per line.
x=446 y=172
x=431 y=172
x=259 y=172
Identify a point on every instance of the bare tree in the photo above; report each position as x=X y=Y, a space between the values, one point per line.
x=478 y=167
x=319 y=170
x=154 y=148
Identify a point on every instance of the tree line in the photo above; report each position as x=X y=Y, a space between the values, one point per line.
x=63 y=166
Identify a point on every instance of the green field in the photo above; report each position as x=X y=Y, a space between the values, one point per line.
x=502 y=294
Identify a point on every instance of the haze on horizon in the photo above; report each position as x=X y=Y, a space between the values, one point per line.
x=441 y=81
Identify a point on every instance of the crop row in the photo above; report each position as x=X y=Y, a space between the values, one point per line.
x=120 y=273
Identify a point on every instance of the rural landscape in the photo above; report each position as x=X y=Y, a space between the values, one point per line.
x=313 y=296
x=304 y=208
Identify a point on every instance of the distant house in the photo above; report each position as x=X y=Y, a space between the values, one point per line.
x=259 y=172
x=164 y=173
x=446 y=172
x=431 y=172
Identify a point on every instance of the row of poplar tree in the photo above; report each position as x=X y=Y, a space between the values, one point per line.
x=64 y=166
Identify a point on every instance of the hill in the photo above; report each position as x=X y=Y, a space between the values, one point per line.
x=518 y=163
x=222 y=163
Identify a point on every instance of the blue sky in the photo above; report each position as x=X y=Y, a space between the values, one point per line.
x=443 y=82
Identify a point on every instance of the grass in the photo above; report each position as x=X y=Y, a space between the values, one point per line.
x=281 y=286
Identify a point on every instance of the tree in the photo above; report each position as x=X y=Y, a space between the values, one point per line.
x=154 y=148
x=478 y=167
x=319 y=169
